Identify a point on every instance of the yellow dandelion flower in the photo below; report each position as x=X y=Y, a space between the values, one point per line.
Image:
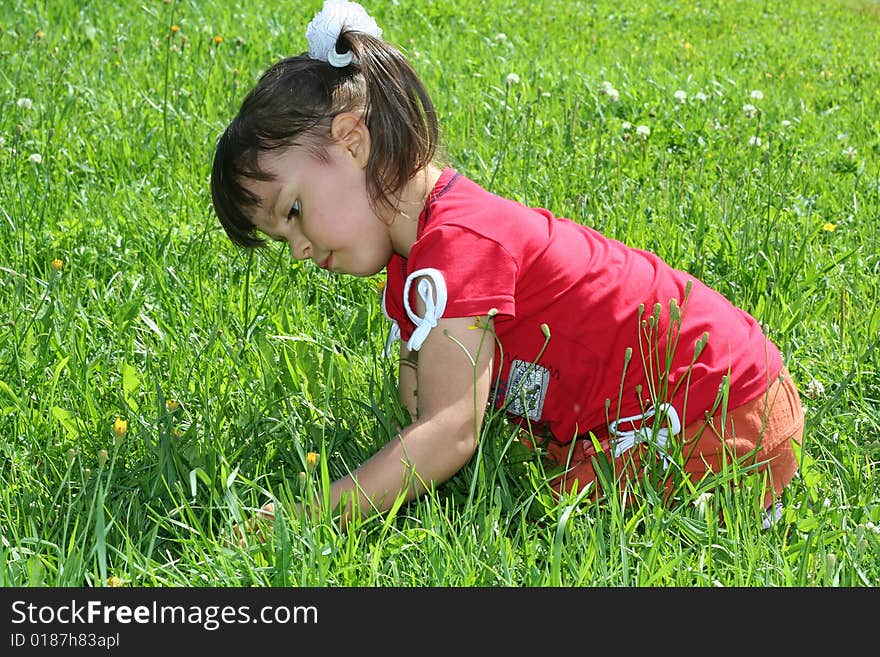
x=829 y=227
x=380 y=286
x=172 y=405
x=40 y=34
x=175 y=28
x=120 y=427
x=687 y=45
x=218 y=38
x=57 y=264
x=312 y=460
x=114 y=581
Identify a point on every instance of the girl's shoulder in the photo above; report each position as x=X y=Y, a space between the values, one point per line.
x=460 y=205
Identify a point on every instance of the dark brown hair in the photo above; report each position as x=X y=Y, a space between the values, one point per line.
x=294 y=103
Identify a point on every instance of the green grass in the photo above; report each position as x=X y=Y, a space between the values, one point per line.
x=269 y=361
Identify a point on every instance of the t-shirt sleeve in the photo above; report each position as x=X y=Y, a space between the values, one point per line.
x=479 y=274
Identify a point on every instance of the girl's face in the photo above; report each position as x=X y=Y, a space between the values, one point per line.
x=322 y=210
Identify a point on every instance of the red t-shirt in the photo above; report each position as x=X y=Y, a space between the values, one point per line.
x=536 y=269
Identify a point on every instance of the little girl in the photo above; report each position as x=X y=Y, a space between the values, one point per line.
x=604 y=354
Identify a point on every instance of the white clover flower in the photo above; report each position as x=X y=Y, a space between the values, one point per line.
x=643 y=131
x=681 y=96
x=25 y=103
x=757 y=94
x=36 y=158
x=700 y=96
x=849 y=153
x=785 y=123
x=754 y=140
x=750 y=110
x=608 y=89
x=815 y=389
x=512 y=79
x=2 y=141
x=841 y=136
x=626 y=125
x=501 y=37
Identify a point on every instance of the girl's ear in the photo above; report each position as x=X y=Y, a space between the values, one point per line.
x=349 y=130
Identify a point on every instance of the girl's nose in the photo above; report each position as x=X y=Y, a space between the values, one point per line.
x=300 y=249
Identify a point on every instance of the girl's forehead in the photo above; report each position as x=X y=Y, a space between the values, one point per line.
x=265 y=191
x=279 y=162
x=270 y=161
x=277 y=166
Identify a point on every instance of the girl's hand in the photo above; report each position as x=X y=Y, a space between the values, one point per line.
x=258 y=527
x=453 y=379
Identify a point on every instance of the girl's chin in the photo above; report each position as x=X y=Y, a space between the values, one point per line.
x=362 y=272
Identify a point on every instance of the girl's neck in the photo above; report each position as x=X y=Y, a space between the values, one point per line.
x=404 y=225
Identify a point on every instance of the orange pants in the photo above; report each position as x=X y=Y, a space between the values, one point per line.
x=757 y=435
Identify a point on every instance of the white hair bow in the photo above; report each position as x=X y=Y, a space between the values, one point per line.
x=327 y=25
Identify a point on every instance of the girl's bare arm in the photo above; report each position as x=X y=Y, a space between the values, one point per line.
x=453 y=381
x=408 y=379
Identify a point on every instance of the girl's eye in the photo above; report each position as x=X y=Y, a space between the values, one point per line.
x=294 y=211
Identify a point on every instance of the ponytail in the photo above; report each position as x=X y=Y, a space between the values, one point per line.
x=399 y=115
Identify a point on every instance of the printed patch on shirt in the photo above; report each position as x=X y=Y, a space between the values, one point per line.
x=527 y=390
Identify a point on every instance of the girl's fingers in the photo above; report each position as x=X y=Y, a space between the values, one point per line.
x=253 y=527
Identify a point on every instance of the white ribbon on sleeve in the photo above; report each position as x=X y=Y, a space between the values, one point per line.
x=432 y=290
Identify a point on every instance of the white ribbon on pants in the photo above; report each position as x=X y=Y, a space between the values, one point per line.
x=623 y=441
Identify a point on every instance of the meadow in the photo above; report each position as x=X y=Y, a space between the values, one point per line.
x=158 y=384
